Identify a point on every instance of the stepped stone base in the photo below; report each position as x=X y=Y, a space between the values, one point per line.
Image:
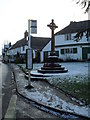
x=38 y=75
x=52 y=71
x=50 y=68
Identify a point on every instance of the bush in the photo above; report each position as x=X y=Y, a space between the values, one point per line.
x=19 y=60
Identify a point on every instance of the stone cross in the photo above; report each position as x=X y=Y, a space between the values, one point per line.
x=52 y=26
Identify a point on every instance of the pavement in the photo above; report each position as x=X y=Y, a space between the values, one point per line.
x=47 y=96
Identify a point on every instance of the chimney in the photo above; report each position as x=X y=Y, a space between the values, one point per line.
x=71 y=22
x=26 y=35
x=10 y=44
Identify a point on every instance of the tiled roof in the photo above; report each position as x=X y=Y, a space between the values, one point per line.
x=36 y=43
x=75 y=27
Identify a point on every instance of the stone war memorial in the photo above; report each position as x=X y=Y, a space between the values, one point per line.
x=52 y=66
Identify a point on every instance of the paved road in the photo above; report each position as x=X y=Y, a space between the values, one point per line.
x=0 y=91
x=6 y=87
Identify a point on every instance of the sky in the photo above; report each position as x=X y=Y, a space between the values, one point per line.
x=14 y=15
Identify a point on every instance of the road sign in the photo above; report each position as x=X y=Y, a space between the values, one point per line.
x=33 y=26
x=29 y=59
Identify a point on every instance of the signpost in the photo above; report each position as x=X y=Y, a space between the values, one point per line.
x=33 y=28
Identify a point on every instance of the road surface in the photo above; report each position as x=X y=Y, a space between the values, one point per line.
x=0 y=91
x=6 y=87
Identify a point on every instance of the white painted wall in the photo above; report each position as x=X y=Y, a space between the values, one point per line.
x=34 y=54
x=60 y=40
x=23 y=51
x=19 y=49
x=65 y=56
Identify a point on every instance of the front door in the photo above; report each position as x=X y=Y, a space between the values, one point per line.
x=38 y=56
x=85 y=51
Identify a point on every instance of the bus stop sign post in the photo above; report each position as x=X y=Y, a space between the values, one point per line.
x=29 y=52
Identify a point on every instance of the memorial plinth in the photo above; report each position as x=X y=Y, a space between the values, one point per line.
x=52 y=66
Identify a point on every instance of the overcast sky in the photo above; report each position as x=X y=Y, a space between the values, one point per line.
x=14 y=15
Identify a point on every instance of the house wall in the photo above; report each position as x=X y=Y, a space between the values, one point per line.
x=60 y=40
x=62 y=43
x=23 y=49
x=69 y=55
x=34 y=54
x=14 y=51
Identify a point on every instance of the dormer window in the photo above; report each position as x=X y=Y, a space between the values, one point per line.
x=68 y=37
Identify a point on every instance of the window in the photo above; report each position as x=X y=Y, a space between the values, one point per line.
x=68 y=37
x=74 y=50
x=69 y=51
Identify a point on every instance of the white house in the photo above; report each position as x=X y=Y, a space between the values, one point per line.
x=65 y=43
x=18 y=48
x=37 y=44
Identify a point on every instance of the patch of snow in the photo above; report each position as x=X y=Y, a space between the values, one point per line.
x=78 y=101
x=77 y=72
x=55 y=102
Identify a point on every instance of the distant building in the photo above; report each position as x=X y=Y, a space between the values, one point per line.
x=19 y=48
x=4 y=52
x=68 y=48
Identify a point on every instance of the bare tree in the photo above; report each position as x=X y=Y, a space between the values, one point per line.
x=80 y=34
x=85 y=4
